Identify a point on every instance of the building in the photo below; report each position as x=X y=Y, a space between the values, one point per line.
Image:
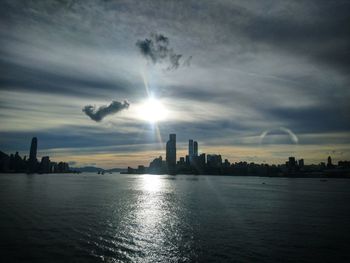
x=214 y=160
x=202 y=160
x=156 y=166
x=45 y=166
x=329 y=162
x=301 y=163
x=171 y=153
x=195 y=148
x=192 y=151
x=226 y=164
x=33 y=149
x=182 y=161
x=190 y=148
x=62 y=167
x=291 y=162
x=32 y=162
x=53 y=167
x=187 y=160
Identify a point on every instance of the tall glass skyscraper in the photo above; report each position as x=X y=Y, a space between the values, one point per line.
x=171 y=153
x=32 y=162
x=190 y=148
x=33 y=149
x=195 y=148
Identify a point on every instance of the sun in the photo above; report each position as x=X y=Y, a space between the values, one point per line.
x=152 y=110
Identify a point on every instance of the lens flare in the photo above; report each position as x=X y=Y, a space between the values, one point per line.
x=291 y=134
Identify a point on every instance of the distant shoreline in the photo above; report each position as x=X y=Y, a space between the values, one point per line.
x=226 y=175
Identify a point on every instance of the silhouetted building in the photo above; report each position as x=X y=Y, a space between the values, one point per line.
x=187 y=159
x=33 y=149
x=291 y=165
x=4 y=162
x=190 y=148
x=291 y=162
x=156 y=163
x=195 y=148
x=182 y=161
x=157 y=166
x=53 y=167
x=141 y=169
x=214 y=160
x=202 y=160
x=45 y=165
x=62 y=167
x=32 y=162
x=15 y=164
x=344 y=164
x=192 y=152
x=171 y=153
x=329 y=162
x=226 y=164
x=301 y=163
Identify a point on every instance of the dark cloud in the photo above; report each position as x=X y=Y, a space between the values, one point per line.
x=97 y=114
x=157 y=50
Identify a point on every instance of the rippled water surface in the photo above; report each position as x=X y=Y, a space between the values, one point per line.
x=158 y=218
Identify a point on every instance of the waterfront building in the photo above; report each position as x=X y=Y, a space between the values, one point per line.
x=171 y=153
x=195 y=148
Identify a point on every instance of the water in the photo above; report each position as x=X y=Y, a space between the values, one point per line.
x=157 y=218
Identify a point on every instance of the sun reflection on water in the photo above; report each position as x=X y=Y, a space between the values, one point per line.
x=151 y=183
x=153 y=226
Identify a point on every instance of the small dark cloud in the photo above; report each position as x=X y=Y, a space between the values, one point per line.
x=157 y=50
x=98 y=113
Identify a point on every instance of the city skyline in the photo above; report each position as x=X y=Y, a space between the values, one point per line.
x=103 y=83
x=123 y=160
x=194 y=162
x=215 y=164
x=30 y=164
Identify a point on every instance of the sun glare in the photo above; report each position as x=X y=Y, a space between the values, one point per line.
x=152 y=110
x=151 y=183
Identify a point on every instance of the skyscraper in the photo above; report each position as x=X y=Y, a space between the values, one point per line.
x=45 y=164
x=32 y=161
x=301 y=163
x=190 y=148
x=195 y=148
x=33 y=149
x=329 y=162
x=171 y=153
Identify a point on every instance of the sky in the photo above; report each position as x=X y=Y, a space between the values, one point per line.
x=255 y=81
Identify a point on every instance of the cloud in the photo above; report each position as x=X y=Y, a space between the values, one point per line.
x=97 y=114
x=157 y=50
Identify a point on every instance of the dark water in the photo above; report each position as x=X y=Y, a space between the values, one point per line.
x=151 y=218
